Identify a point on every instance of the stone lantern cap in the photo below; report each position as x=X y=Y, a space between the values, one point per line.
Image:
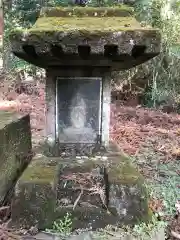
x=86 y=36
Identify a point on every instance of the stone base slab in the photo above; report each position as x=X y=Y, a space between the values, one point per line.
x=96 y=191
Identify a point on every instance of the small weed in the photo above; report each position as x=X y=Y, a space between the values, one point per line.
x=62 y=226
x=167 y=188
x=144 y=230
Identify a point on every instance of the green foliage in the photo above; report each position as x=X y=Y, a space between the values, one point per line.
x=149 y=11
x=144 y=231
x=27 y=11
x=141 y=231
x=22 y=14
x=62 y=226
x=168 y=190
x=63 y=3
x=165 y=68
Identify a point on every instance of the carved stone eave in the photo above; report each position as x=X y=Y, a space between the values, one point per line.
x=119 y=50
x=117 y=42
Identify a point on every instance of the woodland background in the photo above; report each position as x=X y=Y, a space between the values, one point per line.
x=145 y=111
x=153 y=84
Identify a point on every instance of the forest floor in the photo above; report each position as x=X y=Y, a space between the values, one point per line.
x=151 y=138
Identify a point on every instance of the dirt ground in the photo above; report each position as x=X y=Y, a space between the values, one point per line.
x=150 y=137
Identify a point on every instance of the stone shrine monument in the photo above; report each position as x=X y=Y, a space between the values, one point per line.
x=82 y=172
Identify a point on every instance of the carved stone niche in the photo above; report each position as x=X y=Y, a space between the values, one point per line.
x=78 y=111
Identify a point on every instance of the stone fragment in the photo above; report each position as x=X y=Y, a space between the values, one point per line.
x=15 y=149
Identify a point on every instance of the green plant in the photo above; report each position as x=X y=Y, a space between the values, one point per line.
x=165 y=68
x=62 y=226
x=144 y=231
x=168 y=189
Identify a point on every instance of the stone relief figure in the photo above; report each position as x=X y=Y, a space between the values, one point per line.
x=80 y=128
x=78 y=112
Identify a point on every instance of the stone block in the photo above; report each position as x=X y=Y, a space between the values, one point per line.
x=34 y=203
x=15 y=149
x=128 y=198
x=119 y=196
x=97 y=193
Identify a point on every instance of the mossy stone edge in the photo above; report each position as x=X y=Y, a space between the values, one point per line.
x=115 y=11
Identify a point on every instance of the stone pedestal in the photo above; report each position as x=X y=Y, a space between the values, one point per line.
x=97 y=191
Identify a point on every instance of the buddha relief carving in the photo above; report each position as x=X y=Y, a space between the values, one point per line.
x=80 y=129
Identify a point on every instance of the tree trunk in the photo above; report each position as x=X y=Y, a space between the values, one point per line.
x=7 y=6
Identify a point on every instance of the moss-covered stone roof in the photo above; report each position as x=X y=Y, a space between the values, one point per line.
x=68 y=28
x=87 y=19
x=118 y=11
x=87 y=24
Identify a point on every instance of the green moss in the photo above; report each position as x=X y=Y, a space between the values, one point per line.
x=120 y=11
x=83 y=22
x=89 y=24
x=89 y=27
x=39 y=171
x=124 y=173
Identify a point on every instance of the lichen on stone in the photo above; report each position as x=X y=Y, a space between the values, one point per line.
x=86 y=21
x=39 y=171
x=123 y=172
x=121 y=10
x=88 y=24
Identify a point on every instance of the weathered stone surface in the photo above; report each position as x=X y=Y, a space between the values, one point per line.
x=120 y=185
x=154 y=234
x=96 y=193
x=82 y=184
x=127 y=192
x=15 y=149
x=83 y=236
x=87 y=216
x=119 y=11
x=35 y=195
x=53 y=236
x=86 y=37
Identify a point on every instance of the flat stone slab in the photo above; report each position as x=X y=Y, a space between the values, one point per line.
x=15 y=149
x=95 y=192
